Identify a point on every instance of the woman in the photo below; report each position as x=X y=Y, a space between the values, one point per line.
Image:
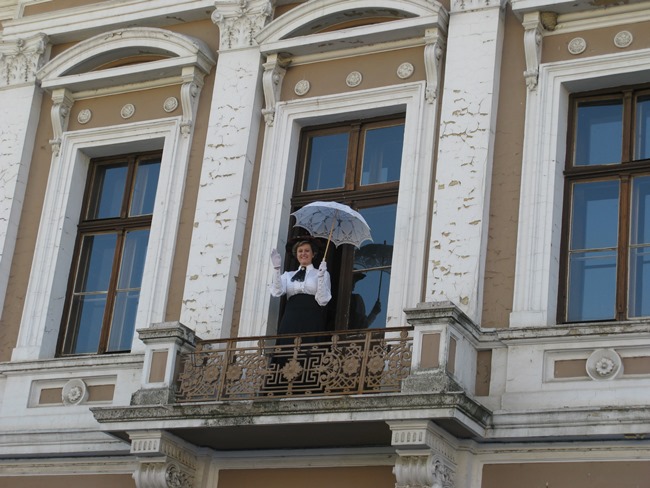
x=308 y=291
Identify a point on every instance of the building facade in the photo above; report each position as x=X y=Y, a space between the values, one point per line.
x=494 y=333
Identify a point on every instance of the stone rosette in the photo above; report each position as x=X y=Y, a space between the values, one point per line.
x=604 y=364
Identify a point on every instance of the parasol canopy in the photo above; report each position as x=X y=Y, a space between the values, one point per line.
x=333 y=221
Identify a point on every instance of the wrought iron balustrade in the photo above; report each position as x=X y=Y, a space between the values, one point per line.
x=332 y=363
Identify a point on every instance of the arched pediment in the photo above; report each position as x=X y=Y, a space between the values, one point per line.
x=318 y=17
x=164 y=54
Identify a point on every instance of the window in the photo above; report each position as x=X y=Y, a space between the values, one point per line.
x=113 y=234
x=357 y=163
x=607 y=246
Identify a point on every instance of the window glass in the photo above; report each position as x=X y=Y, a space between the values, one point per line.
x=144 y=189
x=372 y=267
x=326 y=162
x=96 y=262
x=643 y=128
x=639 y=292
x=594 y=218
x=592 y=257
x=382 y=154
x=599 y=133
x=108 y=191
x=87 y=316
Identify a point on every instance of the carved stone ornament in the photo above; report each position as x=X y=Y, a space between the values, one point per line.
x=62 y=101
x=164 y=461
x=405 y=70
x=170 y=104
x=239 y=23
x=577 y=45
x=532 y=47
x=127 y=111
x=354 y=79
x=432 y=57
x=302 y=87
x=74 y=392
x=604 y=364
x=21 y=59
x=623 y=39
x=84 y=116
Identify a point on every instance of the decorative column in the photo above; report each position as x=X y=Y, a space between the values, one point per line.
x=164 y=461
x=425 y=458
x=459 y=226
x=222 y=204
x=20 y=104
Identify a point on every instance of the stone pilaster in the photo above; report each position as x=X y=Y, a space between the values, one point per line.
x=465 y=154
x=20 y=103
x=222 y=203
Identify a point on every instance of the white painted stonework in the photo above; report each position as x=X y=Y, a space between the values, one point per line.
x=459 y=225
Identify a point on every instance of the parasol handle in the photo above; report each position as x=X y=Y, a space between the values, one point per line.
x=329 y=238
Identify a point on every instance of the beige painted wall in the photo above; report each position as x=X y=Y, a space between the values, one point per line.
x=54 y=5
x=599 y=41
x=568 y=475
x=99 y=481
x=358 y=477
x=504 y=199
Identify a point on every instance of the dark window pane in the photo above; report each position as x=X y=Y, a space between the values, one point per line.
x=372 y=267
x=592 y=286
x=107 y=192
x=639 y=298
x=123 y=324
x=144 y=190
x=382 y=155
x=594 y=216
x=326 y=161
x=599 y=133
x=643 y=128
x=86 y=320
x=640 y=211
x=96 y=262
x=135 y=252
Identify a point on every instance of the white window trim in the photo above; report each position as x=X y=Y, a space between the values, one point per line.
x=277 y=173
x=57 y=232
x=537 y=271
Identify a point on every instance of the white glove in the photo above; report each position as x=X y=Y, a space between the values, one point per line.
x=322 y=268
x=276 y=259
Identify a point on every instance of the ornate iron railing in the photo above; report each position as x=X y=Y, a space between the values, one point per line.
x=256 y=368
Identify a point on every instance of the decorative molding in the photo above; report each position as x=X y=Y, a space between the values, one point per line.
x=302 y=87
x=190 y=91
x=21 y=59
x=240 y=23
x=274 y=71
x=164 y=461
x=170 y=104
x=127 y=111
x=354 y=79
x=426 y=459
x=577 y=45
x=604 y=364
x=623 y=39
x=405 y=71
x=62 y=102
x=533 y=35
x=432 y=56
x=75 y=392
x=84 y=116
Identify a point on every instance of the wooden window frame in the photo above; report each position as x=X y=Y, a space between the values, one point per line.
x=623 y=172
x=93 y=226
x=352 y=193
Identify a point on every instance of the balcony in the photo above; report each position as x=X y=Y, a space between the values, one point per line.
x=320 y=364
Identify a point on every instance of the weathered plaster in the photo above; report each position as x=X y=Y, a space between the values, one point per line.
x=463 y=174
